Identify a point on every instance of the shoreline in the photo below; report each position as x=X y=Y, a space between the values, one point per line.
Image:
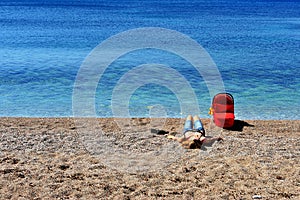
x=71 y=117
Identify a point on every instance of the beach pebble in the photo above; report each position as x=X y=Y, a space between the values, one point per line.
x=256 y=197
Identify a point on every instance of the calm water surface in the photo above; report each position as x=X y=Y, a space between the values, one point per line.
x=255 y=45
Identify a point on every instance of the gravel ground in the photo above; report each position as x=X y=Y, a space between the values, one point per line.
x=66 y=158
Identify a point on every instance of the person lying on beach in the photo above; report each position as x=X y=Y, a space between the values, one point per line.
x=194 y=138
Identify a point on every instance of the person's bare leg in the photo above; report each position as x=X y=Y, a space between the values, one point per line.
x=188 y=125
x=198 y=125
x=196 y=117
x=189 y=117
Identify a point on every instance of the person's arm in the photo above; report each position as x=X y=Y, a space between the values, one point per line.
x=210 y=141
x=178 y=139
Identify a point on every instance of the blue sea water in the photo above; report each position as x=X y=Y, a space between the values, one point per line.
x=255 y=45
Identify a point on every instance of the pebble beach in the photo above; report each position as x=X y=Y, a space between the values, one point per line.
x=45 y=158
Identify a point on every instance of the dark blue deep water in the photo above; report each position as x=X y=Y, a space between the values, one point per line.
x=255 y=45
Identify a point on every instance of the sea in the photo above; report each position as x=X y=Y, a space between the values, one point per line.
x=255 y=46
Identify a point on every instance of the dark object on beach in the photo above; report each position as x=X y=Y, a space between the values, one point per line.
x=64 y=167
x=159 y=132
x=222 y=110
x=239 y=125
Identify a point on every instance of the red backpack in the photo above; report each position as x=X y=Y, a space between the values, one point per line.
x=222 y=110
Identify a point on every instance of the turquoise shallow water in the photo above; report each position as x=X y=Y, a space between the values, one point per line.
x=256 y=47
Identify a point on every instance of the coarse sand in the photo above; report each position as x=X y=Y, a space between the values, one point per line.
x=111 y=158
